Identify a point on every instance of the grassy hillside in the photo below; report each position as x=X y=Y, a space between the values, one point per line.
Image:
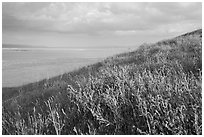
x=153 y=90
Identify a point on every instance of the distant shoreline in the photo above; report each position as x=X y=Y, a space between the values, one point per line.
x=74 y=49
x=15 y=46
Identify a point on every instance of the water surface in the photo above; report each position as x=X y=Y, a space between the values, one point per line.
x=22 y=66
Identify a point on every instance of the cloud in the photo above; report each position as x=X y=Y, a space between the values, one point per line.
x=96 y=18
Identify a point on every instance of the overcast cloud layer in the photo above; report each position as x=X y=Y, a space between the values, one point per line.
x=97 y=24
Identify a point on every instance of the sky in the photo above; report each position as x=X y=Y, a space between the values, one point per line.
x=96 y=24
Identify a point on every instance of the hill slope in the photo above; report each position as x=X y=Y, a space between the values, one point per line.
x=153 y=90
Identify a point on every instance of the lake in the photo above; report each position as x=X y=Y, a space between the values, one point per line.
x=25 y=65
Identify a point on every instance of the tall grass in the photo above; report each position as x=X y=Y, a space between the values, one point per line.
x=159 y=95
x=162 y=101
